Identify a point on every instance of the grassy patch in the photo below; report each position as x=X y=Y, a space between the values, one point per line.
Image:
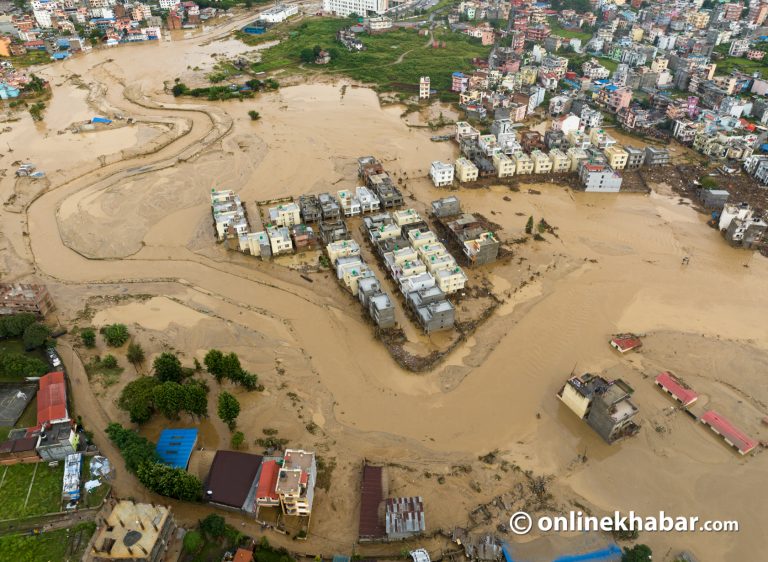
x=557 y=29
x=95 y=497
x=65 y=544
x=45 y=496
x=728 y=64
x=30 y=58
x=393 y=60
x=107 y=375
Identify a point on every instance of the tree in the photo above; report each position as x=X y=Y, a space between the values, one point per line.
x=254 y=115
x=529 y=226
x=17 y=365
x=193 y=540
x=136 y=450
x=109 y=361
x=88 y=337
x=115 y=334
x=13 y=326
x=169 y=399
x=35 y=335
x=213 y=362
x=135 y=353
x=638 y=553
x=172 y=482
x=213 y=526
x=167 y=367
x=229 y=409
x=237 y=440
x=196 y=398
x=137 y=398
x=306 y=55
x=316 y=50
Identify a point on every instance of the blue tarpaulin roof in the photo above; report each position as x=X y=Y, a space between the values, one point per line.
x=101 y=120
x=175 y=446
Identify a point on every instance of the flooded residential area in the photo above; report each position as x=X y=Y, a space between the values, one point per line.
x=466 y=423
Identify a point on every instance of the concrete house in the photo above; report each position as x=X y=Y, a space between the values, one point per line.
x=296 y=482
x=433 y=312
x=742 y=226
x=441 y=173
x=310 y=209
x=560 y=162
x=523 y=164
x=617 y=157
x=287 y=214
x=304 y=238
x=416 y=283
x=134 y=531
x=257 y=244
x=446 y=207
x=369 y=201
x=280 y=240
x=656 y=156
x=482 y=250
x=576 y=155
x=505 y=166
x=450 y=279
x=342 y=249
x=366 y=288
x=350 y=205
x=417 y=238
x=333 y=231
x=604 y=404
x=389 y=196
x=329 y=207
x=466 y=171
x=599 y=178
x=541 y=162
x=382 y=310
x=635 y=157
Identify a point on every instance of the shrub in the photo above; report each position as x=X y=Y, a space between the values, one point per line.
x=109 y=361
x=115 y=334
x=88 y=337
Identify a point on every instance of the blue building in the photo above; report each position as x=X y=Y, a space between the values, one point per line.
x=175 y=446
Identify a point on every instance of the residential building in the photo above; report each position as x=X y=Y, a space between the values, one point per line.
x=617 y=157
x=481 y=250
x=446 y=207
x=604 y=404
x=505 y=166
x=333 y=231
x=17 y=298
x=279 y=240
x=342 y=249
x=424 y=88
x=369 y=201
x=287 y=214
x=598 y=177
x=541 y=162
x=350 y=205
x=441 y=173
x=55 y=440
x=576 y=156
x=379 y=24
x=362 y=7
x=742 y=226
x=433 y=312
x=140 y=532
x=466 y=171
x=303 y=237
x=329 y=207
x=256 y=244
x=656 y=156
x=278 y=13
x=296 y=482
x=310 y=208
x=635 y=157
x=523 y=164
x=560 y=162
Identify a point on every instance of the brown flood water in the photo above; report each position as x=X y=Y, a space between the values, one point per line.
x=142 y=225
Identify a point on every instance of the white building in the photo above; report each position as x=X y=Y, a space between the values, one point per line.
x=168 y=4
x=279 y=12
x=441 y=173
x=285 y=215
x=424 y=88
x=350 y=205
x=369 y=201
x=280 y=240
x=43 y=18
x=360 y=7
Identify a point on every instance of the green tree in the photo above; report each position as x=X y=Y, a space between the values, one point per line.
x=167 y=367
x=17 y=365
x=529 y=226
x=135 y=353
x=115 y=334
x=193 y=540
x=109 y=361
x=88 y=337
x=196 y=398
x=213 y=526
x=137 y=398
x=136 y=450
x=638 y=553
x=14 y=325
x=254 y=115
x=237 y=439
x=168 y=398
x=171 y=482
x=306 y=55
x=35 y=335
x=229 y=409
x=214 y=363
x=179 y=89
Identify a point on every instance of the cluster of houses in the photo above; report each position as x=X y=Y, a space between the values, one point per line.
x=606 y=405
x=12 y=81
x=568 y=146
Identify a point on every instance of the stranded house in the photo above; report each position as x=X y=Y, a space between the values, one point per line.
x=604 y=404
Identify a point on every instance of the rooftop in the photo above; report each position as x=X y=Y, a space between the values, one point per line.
x=730 y=433
x=175 y=446
x=131 y=530
x=52 y=398
x=231 y=476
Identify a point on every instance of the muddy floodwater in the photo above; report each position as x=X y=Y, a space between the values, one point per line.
x=122 y=232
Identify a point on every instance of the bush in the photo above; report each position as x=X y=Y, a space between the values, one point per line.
x=88 y=337
x=115 y=334
x=135 y=353
x=179 y=89
x=193 y=540
x=109 y=362
x=238 y=438
x=254 y=115
x=213 y=526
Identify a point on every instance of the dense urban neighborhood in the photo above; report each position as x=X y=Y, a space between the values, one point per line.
x=384 y=280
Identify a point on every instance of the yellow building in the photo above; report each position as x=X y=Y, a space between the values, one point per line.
x=617 y=157
x=404 y=217
x=699 y=19
x=636 y=34
x=342 y=249
x=528 y=75
x=419 y=239
x=523 y=163
x=505 y=166
x=576 y=155
x=560 y=162
x=5 y=46
x=659 y=64
x=465 y=170
x=541 y=162
x=451 y=280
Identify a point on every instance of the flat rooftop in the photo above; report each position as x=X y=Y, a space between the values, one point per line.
x=131 y=530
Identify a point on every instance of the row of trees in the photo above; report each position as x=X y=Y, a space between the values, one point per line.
x=227 y=366
x=141 y=459
x=33 y=334
x=18 y=365
x=144 y=396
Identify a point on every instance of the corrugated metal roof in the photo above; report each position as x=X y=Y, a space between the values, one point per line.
x=371 y=496
x=175 y=446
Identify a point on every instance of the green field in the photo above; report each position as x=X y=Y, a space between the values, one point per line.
x=557 y=29
x=389 y=61
x=30 y=58
x=726 y=65
x=16 y=498
x=60 y=546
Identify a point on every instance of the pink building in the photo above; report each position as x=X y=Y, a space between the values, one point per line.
x=620 y=98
